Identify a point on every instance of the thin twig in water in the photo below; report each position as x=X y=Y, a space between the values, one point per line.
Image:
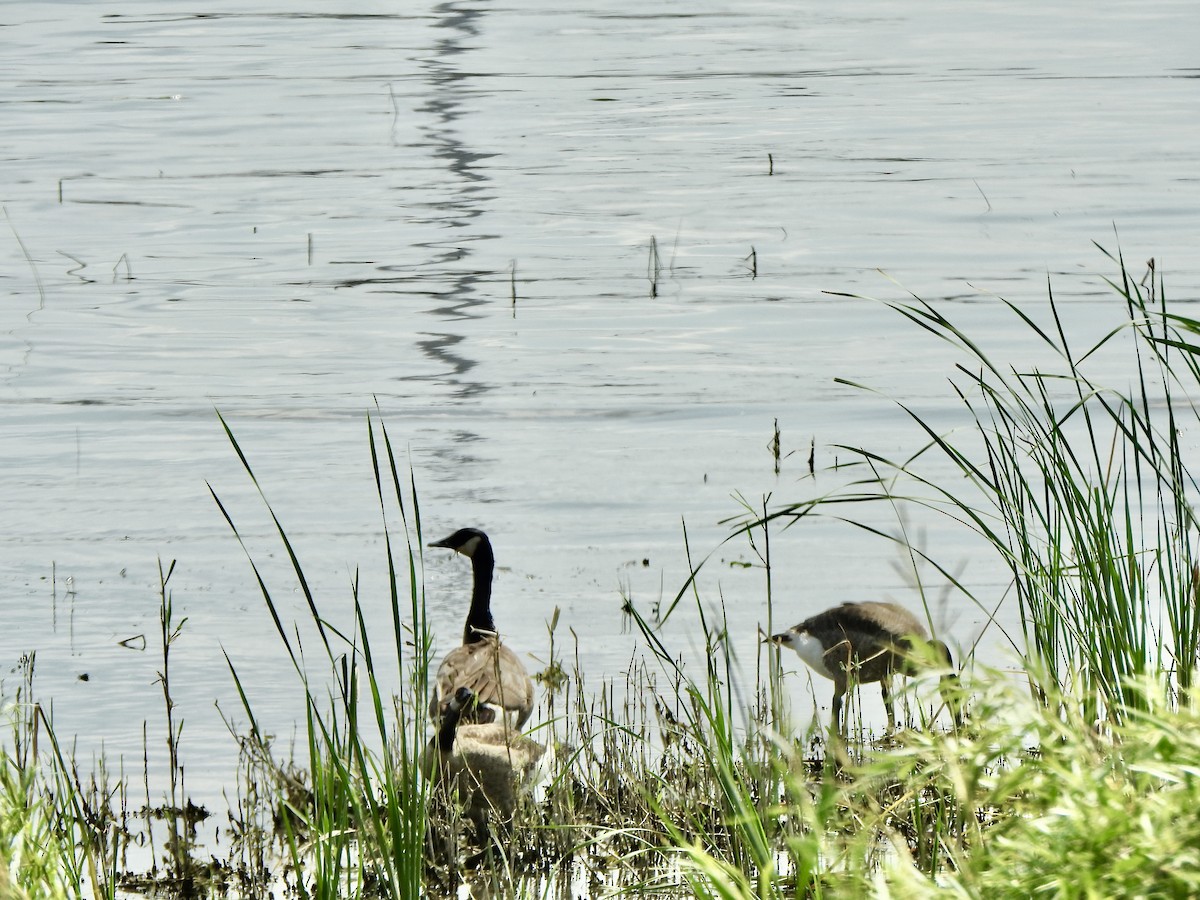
x=128 y=268
x=80 y=265
x=983 y=195
x=37 y=278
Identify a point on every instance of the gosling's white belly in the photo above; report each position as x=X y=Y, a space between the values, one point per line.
x=812 y=651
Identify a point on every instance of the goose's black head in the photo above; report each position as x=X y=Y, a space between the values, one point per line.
x=465 y=541
x=463 y=700
x=459 y=705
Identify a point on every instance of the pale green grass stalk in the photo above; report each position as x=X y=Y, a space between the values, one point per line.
x=54 y=843
x=34 y=863
x=727 y=830
x=179 y=840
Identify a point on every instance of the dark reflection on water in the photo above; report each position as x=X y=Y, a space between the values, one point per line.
x=465 y=196
x=438 y=348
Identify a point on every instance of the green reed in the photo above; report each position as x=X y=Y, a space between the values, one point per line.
x=57 y=839
x=360 y=822
x=1081 y=490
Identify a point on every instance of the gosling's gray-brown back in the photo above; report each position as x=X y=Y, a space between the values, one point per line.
x=865 y=641
x=487 y=764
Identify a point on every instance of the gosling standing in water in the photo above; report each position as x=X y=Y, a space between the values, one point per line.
x=489 y=669
x=868 y=642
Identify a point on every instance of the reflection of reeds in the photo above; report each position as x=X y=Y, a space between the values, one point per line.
x=653 y=266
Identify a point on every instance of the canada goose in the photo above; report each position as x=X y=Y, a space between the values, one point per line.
x=493 y=673
x=868 y=642
x=488 y=763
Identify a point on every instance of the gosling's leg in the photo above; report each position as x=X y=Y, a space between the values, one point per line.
x=885 y=687
x=837 y=723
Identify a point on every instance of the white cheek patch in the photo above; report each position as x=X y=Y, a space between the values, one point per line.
x=469 y=548
x=811 y=650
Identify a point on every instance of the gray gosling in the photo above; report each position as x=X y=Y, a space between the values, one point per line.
x=487 y=764
x=492 y=672
x=869 y=642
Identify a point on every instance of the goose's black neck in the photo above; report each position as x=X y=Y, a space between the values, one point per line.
x=479 y=620
x=448 y=728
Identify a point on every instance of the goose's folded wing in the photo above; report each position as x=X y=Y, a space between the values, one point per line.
x=492 y=671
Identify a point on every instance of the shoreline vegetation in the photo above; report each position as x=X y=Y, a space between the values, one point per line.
x=1076 y=776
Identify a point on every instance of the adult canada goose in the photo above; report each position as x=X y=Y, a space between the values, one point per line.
x=488 y=763
x=868 y=642
x=489 y=669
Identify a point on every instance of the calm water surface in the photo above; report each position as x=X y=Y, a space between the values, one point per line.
x=299 y=218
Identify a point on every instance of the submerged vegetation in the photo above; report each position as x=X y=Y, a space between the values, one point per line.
x=1077 y=776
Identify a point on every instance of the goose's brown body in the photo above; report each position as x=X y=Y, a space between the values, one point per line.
x=493 y=673
x=483 y=664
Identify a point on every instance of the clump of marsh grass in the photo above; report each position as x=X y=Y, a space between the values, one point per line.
x=58 y=839
x=1082 y=491
x=69 y=832
x=34 y=860
x=1069 y=811
x=1061 y=809
x=355 y=821
x=88 y=827
x=1085 y=494
x=1029 y=801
